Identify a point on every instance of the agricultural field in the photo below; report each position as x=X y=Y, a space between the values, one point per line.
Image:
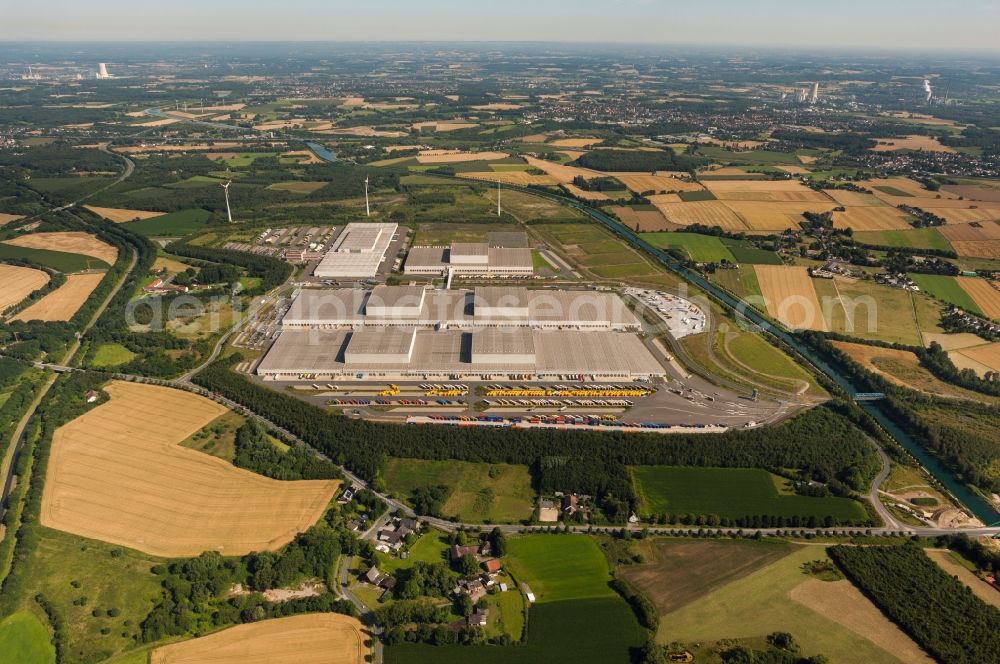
x=742 y=282
x=63 y=302
x=577 y=617
x=981 y=359
x=57 y=260
x=872 y=218
x=559 y=567
x=18 y=283
x=955 y=565
x=761 y=217
x=677 y=572
x=24 y=640
x=731 y=492
x=597 y=251
x=790 y=297
x=497 y=493
x=202 y=503
x=183 y=222
x=457 y=156
x=912 y=142
x=699 y=248
x=976 y=239
x=7 y=218
x=765 y=191
x=316 y=638
x=658 y=184
x=708 y=213
x=122 y=215
x=745 y=253
x=985 y=294
x=946 y=289
x=916 y=238
x=641 y=220
x=828 y=617
x=874 y=311
x=70 y=242
x=111 y=355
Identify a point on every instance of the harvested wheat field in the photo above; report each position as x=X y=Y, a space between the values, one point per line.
x=709 y=213
x=443 y=126
x=872 y=218
x=985 y=294
x=790 y=297
x=952 y=341
x=562 y=173
x=497 y=106
x=576 y=142
x=987 y=355
x=311 y=638
x=661 y=182
x=585 y=195
x=364 y=132
x=853 y=198
x=973 y=192
x=17 y=283
x=457 y=157
x=844 y=604
x=117 y=474
x=122 y=215
x=71 y=242
x=179 y=147
x=979 y=240
x=511 y=177
x=913 y=142
x=642 y=221
x=762 y=217
x=793 y=170
x=764 y=190
x=906 y=185
x=7 y=218
x=64 y=301
x=956 y=215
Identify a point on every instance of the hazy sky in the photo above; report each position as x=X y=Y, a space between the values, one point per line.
x=870 y=24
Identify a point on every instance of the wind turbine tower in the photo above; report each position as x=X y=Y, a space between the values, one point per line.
x=498 y=198
x=229 y=212
x=368 y=210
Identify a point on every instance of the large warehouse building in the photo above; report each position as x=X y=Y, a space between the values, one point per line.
x=406 y=332
x=358 y=252
x=470 y=259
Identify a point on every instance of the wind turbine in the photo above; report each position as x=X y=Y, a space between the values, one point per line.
x=229 y=213
x=498 y=197
x=368 y=211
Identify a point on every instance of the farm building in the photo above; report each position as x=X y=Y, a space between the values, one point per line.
x=471 y=259
x=407 y=332
x=358 y=251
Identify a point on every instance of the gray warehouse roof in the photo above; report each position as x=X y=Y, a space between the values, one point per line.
x=503 y=341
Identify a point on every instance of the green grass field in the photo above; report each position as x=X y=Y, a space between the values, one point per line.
x=892 y=191
x=918 y=238
x=753 y=351
x=759 y=603
x=744 y=253
x=577 y=617
x=196 y=181
x=873 y=311
x=946 y=289
x=246 y=158
x=700 y=248
x=559 y=567
x=599 y=252
x=57 y=260
x=730 y=492
x=182 y=222
x=496 y=493
x=432 y=547
x=65 y=568
x=111 y=355
x=742 y=282
x=25 y=640
x=590 y=631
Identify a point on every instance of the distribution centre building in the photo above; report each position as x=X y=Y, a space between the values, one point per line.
x=358 y=251
x=406 y=332
x=470 y=259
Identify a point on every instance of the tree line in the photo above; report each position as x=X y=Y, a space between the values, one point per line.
x=937 y=610
x=595 y=463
